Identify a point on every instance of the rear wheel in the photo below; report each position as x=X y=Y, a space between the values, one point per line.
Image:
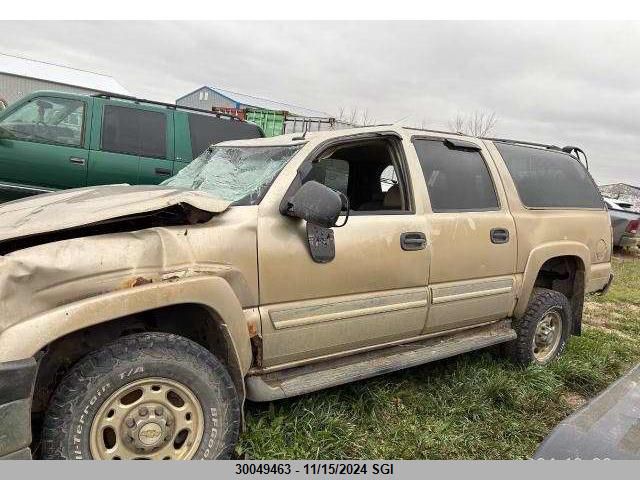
x=149 y=396
x=543 y=330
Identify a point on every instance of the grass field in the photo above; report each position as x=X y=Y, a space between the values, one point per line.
x=474 y=406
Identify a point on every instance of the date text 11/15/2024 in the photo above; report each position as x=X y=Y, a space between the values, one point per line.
x=320 y=468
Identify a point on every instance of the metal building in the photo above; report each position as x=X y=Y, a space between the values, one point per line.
x=20 y=76
x=273 y=116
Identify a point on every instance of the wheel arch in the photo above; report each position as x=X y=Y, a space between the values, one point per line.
x=560 y=266
x=204 y=309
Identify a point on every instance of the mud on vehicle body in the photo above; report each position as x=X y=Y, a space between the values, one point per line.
x=139 y=319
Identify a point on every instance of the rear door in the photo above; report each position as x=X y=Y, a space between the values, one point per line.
x=473 y=243
x=130 y=144
x=46 y=145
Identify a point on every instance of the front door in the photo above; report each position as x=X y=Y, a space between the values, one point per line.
x=42 y=147
x=374 y=290
x=473 y=238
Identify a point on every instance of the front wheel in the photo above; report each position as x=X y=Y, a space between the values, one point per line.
x=543 y=330
x=151 y=396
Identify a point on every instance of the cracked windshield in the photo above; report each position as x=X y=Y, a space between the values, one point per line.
x=240 y=175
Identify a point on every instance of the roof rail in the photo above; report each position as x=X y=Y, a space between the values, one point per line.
x=521 y=142
x=570 y=150
x=163 y=104
x=434 y=131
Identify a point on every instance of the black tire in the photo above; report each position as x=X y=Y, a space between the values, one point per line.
x=78 y=398
x=543 y=301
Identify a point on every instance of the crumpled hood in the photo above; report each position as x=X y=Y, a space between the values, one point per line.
x=73 y=208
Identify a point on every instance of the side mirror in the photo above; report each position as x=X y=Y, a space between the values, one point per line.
x=317 y=204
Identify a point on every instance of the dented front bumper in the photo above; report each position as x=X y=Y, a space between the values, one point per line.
x=16 y=391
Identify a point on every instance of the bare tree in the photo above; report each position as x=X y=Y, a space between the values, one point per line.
x=355 y=116
x=364 y=118
x=457 y=124
x=477 y=124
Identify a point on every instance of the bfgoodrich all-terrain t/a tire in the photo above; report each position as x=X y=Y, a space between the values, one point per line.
x=543 y=330
x=146 y=396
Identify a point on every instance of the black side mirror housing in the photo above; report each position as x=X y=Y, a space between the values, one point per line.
x=316 y=203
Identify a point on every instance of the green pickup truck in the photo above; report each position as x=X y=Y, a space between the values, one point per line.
x=52 y=140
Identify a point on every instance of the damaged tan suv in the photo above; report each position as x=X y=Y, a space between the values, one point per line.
x=135 y=321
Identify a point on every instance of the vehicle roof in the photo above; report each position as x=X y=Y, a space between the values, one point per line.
x=296 y=138
x=316 y=137
x=130 y=100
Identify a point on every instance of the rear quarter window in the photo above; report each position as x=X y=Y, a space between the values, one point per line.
x=549 y=179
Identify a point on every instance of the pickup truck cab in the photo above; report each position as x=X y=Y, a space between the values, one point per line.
x=135 y=320
x=52 y=140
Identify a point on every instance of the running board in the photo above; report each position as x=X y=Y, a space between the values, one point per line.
x=309 y=378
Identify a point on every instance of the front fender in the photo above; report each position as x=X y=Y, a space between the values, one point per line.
x=538 y=257
x=22 y=340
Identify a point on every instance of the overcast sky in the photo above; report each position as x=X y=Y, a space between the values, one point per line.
x=560 y=83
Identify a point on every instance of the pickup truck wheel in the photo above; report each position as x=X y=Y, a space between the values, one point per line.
x=543 y=330
x=145 y=396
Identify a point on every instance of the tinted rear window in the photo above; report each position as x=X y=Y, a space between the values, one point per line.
x=545 y=178
x=134 y=132
x=457 y=180
x=206 y=130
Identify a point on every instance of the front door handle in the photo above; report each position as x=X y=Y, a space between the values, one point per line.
x=77 y=160
x=165 y=172
x=499 y=235
x=413 y=241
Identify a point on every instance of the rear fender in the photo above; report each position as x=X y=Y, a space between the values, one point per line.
x=538 y=257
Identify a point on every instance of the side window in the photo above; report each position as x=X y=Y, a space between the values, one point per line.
x=388 y=178
x=48 y=120
x=545 y=178
x=332 y=172
x=134 y=132
x=365 y=171
x=153 y=134
x=206 y=130
x=457 y=179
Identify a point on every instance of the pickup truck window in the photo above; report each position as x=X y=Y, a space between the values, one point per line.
x=134 y=132
x=457 y=180
x=206 y=130
x=47 y=120
x=548 y=179
x=241 y=175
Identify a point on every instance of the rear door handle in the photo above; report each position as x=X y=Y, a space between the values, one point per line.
x=163 y=171
x=413 y=241
x=499 y=235
x=77 y=160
